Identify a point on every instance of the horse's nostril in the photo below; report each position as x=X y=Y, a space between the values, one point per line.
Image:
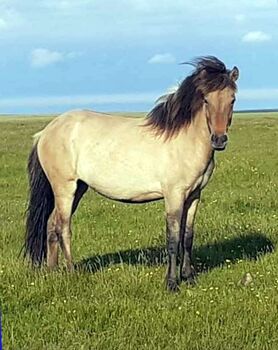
x=224 y=138
x=219 y=140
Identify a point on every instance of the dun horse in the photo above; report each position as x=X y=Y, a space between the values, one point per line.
x=169 y=154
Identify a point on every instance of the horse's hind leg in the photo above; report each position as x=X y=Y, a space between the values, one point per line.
x=52 y=241
x=59 y=224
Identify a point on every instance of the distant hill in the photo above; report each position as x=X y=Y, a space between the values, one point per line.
x=257 y=110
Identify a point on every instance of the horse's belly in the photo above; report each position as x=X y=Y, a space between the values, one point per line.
x=131 y=196
x=122 y=184
x=129 y=192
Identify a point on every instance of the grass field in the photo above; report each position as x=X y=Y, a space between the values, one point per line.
x=117 y=299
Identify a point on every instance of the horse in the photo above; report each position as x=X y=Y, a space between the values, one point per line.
x=168 y=154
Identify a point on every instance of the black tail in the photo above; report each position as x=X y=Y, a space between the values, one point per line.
x=41 y=204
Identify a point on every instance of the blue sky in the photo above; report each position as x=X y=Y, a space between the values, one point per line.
x=121 y=55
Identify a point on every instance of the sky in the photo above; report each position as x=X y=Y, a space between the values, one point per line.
x=121 y=55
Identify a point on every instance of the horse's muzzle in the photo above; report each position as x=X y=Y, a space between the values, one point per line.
x=219 y=142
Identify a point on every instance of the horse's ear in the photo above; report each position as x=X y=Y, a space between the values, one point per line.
x=234 y=74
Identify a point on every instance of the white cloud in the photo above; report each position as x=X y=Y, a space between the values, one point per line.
x=79 y=100
x=139 y=21
x=43 y=57
x=256 y=37
x=240 y=17
x=3 y=24
x=163 y=58
x=265 y=3
x=64 y=102
x=64 y=4
x=264 y=94
x=74 y=54
x=173 y=88
x=10 y=18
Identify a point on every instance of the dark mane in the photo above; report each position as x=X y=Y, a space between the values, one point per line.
x=177 y=110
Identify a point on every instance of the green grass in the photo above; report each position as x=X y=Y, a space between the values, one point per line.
x=118 y=300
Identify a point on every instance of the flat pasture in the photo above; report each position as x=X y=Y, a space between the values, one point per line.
x=116 y=298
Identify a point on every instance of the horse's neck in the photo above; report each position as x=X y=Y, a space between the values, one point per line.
x=198 y=133
x=200 y=128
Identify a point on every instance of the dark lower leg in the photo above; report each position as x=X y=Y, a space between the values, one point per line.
x=186 y=272
x=190 y=208
x=172 y=249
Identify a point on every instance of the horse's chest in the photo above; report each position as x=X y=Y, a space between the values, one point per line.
x=203 y=179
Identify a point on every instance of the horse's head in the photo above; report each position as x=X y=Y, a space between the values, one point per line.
x=210 y=89
x=218 y=105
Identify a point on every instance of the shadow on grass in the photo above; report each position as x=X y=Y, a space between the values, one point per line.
x=206 y=257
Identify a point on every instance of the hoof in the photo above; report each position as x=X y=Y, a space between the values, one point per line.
x=172 y=286
x=70 y=267
x=189 y=277
x=190 y=280
x=51 y=268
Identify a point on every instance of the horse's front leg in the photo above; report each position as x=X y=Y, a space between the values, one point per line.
x=174 y=208
x=189 y=212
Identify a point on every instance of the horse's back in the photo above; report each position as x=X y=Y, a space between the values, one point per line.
x=85 y=125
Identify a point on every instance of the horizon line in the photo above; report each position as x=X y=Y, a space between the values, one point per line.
x=38 y=114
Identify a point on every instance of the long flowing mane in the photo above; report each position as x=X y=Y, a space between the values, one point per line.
x=177 y=110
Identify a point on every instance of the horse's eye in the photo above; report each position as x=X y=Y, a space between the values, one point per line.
x=206 y=101
x=233 y=101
